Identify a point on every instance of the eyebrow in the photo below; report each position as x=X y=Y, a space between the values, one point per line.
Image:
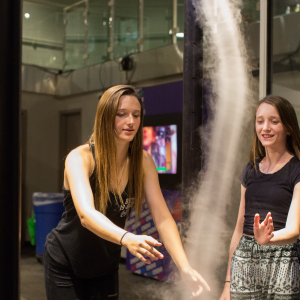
x=277 y=117
x=137 y=110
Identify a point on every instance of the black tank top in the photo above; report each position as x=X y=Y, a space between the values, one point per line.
x=269 y=193
x=72 y=245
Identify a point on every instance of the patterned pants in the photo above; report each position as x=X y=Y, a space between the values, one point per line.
x=265 y=272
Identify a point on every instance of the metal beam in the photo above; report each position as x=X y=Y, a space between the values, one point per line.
x=10 y=89
x=111 y=23
x=263 y=49
x=86 y=33
x=140 y=40
x=270 y=18
x=174 y=29
x=47 y=3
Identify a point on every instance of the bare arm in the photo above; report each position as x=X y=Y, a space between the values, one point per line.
x=287 y=235
x=79 y=165
x=167 y=228
x=237 y=234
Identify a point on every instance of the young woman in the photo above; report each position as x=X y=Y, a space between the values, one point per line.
x=103 y=181
x=264 y=258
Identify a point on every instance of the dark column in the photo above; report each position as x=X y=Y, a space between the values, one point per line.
x=192 y=107
x=10 y=71
x=270 y=13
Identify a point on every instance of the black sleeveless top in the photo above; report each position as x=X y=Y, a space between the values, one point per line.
x=74 y=246
x=269 y=193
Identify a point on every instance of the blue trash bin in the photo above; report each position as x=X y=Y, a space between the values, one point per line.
x=48 y=208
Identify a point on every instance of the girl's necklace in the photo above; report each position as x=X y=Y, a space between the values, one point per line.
x=125 y=164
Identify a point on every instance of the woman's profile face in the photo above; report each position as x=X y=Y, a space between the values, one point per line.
x=128 y=118
x=269 y=128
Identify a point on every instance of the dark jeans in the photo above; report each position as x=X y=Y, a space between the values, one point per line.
x=63 y=284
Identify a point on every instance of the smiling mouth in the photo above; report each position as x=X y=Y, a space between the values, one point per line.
x=266 y=136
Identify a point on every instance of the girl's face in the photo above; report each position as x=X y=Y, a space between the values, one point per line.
x=128 y=118
x=269 y=127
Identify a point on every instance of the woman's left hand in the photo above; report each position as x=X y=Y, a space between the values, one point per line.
x=194 y=281
x=263 y=232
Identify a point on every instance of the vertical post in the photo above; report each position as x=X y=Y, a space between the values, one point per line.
x=111 y=4
x=263 y=49
x=64 y=40
x=10 y=114
x=140 y=40
x=174 y=29
x=86 y=33
x=192 y=106
x=270 y=13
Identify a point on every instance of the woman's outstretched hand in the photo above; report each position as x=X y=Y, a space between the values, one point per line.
x=263 y=232
x=194 y=281
x=142 y=246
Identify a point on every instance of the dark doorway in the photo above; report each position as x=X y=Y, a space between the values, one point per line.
x=70 y=138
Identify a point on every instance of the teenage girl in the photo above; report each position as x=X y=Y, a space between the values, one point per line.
x=264 y=258
x=103 y=181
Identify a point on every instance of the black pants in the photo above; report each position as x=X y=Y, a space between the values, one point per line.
x=62 y=284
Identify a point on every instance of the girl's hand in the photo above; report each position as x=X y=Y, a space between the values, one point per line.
x=141 y=246
x=194 y=281
x=226 y=292
x=263 y=232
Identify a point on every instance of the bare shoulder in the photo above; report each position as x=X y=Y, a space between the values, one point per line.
x=149 y=165
x=147 y=158
x=81 y=155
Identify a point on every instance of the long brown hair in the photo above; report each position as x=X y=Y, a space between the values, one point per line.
x=288 y=118
x=106 y=153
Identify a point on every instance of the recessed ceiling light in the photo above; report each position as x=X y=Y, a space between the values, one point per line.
x=27 y=15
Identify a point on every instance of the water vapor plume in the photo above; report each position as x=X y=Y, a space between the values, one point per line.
x=215 y=204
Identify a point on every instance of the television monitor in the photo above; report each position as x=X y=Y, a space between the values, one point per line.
x=164 y=134
x=161 y=143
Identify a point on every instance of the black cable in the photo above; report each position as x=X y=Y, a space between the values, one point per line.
x=59 y=72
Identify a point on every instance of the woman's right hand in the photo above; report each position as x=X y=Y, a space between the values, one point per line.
x=142 y=246
x=226 y=292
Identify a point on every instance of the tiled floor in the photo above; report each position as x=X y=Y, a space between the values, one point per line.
x=131 y=286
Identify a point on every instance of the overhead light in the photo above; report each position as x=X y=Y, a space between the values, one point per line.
x=27 y=15
x=180 y=34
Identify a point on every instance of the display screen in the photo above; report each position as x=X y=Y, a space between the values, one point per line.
x=161 y=143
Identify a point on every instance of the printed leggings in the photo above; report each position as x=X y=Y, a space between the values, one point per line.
x=265 y=272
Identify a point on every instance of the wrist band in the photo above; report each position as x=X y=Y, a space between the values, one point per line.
x=122 y=238
x=227 y=281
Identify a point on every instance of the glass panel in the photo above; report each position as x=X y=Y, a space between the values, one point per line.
x=286 y=51
x=75 y=38
x=158 y=21
x=180 y=20
x=126 y=24
x=98 y=32
x=42 y=43
x=251 y=11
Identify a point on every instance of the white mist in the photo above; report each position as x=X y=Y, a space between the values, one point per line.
x=210 y=231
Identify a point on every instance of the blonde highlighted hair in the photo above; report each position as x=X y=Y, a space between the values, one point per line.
x=103 y=138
